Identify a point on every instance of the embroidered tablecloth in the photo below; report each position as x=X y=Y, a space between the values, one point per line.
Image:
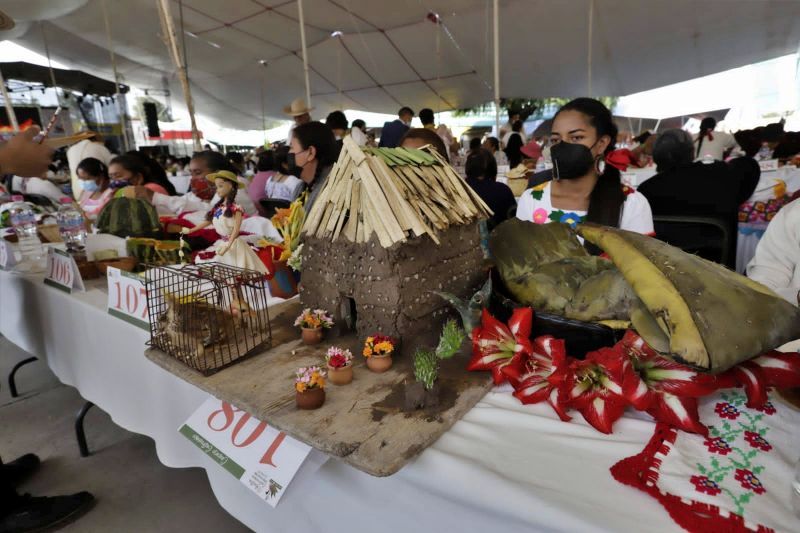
x=736 y=479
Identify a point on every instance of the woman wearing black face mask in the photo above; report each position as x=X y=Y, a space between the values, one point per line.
x=584 y=187
x=312 y=153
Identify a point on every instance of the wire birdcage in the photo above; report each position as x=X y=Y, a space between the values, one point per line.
x=209 y=315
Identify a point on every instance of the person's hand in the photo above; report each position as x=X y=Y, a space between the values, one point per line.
x=186 y=231
x=23 y=156
x=224 y=250
x=143 y=192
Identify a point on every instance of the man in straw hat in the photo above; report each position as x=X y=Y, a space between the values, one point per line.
x=300 y=112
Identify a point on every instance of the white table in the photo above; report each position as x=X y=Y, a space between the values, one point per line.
x=503 y=467
x=771 y=185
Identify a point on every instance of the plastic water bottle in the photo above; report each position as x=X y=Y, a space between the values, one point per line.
x=70 y=227
x=23 y=219
x=764 y=153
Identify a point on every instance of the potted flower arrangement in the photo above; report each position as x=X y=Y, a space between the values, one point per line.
x=378 y=350
x=309 y=384
x=312 y=324
x=340 y=365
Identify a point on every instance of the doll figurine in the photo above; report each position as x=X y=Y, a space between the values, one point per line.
x=226 y=217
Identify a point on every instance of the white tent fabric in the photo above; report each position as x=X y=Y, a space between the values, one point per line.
x=390 y=54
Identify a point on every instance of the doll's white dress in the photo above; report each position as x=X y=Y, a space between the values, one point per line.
x=240 y=254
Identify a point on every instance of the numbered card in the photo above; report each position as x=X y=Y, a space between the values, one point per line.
x=768 y=165
x=264 y=459
x=62 y=271
x=127 y=298
x=7 y=259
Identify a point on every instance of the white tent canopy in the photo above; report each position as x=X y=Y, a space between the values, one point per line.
x=390 y=54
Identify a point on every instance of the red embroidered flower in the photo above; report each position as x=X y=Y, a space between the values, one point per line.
x=703 y=484
x=726 y=410
x=718 y=445
x=767 y=409
x=748 y=480
x=757 y=441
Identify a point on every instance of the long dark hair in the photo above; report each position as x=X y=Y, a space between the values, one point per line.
x=321 y=137
x=215 y=161
x=155 y=173
x=513 y=150
x=227 y=201
x=94 y=167
x=605 y=202
x=707 y=125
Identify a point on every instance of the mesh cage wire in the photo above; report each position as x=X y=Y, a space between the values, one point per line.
x=209 y=315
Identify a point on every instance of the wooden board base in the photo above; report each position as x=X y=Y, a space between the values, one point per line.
x=362 y=423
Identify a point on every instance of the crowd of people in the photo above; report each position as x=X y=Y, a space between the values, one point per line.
x=574 y=176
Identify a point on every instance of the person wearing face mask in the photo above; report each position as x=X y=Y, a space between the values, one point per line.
x=584 y=187
x=95 y=184
x=128 y=174
x=312 y=153
x=393 y=131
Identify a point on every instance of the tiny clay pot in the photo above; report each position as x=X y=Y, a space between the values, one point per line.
x=379 y=363
x=311 y=336
x=340 y=376
x=310 y=398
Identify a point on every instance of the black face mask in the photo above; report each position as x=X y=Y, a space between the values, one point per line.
x=291 y=164
x=570 y=160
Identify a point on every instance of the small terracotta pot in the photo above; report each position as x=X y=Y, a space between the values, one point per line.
x=379 y=363
x=311 y=336
x=310 y=398
x=340 y=376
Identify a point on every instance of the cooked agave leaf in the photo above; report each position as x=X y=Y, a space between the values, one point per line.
x=604 y=296
x=700 y=312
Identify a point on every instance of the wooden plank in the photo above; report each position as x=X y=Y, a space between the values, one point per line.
x=361 y=423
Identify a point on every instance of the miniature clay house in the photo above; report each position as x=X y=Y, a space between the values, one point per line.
x=389 y=226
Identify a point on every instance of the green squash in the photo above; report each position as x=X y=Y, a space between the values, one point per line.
x=129 y=217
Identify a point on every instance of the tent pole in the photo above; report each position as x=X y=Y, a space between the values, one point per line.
x=12 y=116
x=589 y=49
x=497 y=67
x=305 y=51
x=120 y=110
x=172 y=45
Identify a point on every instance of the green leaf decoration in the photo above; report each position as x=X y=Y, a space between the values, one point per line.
x=426 y=367
x=450 y=341
x=537 y=195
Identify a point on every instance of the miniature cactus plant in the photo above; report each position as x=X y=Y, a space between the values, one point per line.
x=426 y=362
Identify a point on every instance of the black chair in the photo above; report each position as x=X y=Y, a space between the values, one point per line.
x=710 y=238
x=270 y=205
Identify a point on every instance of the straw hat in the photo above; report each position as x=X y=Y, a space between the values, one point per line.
x=6 y=22
x=297 y=108
x=225 y=175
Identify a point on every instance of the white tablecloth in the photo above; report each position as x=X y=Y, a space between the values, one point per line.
x=771 y=185
x=503 y=467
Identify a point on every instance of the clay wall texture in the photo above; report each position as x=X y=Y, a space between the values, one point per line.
x=390 y=286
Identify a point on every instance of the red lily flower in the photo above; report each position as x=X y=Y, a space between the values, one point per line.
x=667 y=390
x=541 y=377
x=495 y=345
x=773 y=369
x=594 y=389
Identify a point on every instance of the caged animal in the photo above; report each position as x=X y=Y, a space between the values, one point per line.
x=192 y=324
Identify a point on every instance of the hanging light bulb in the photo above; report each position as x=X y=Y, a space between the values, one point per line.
x=434 y=17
